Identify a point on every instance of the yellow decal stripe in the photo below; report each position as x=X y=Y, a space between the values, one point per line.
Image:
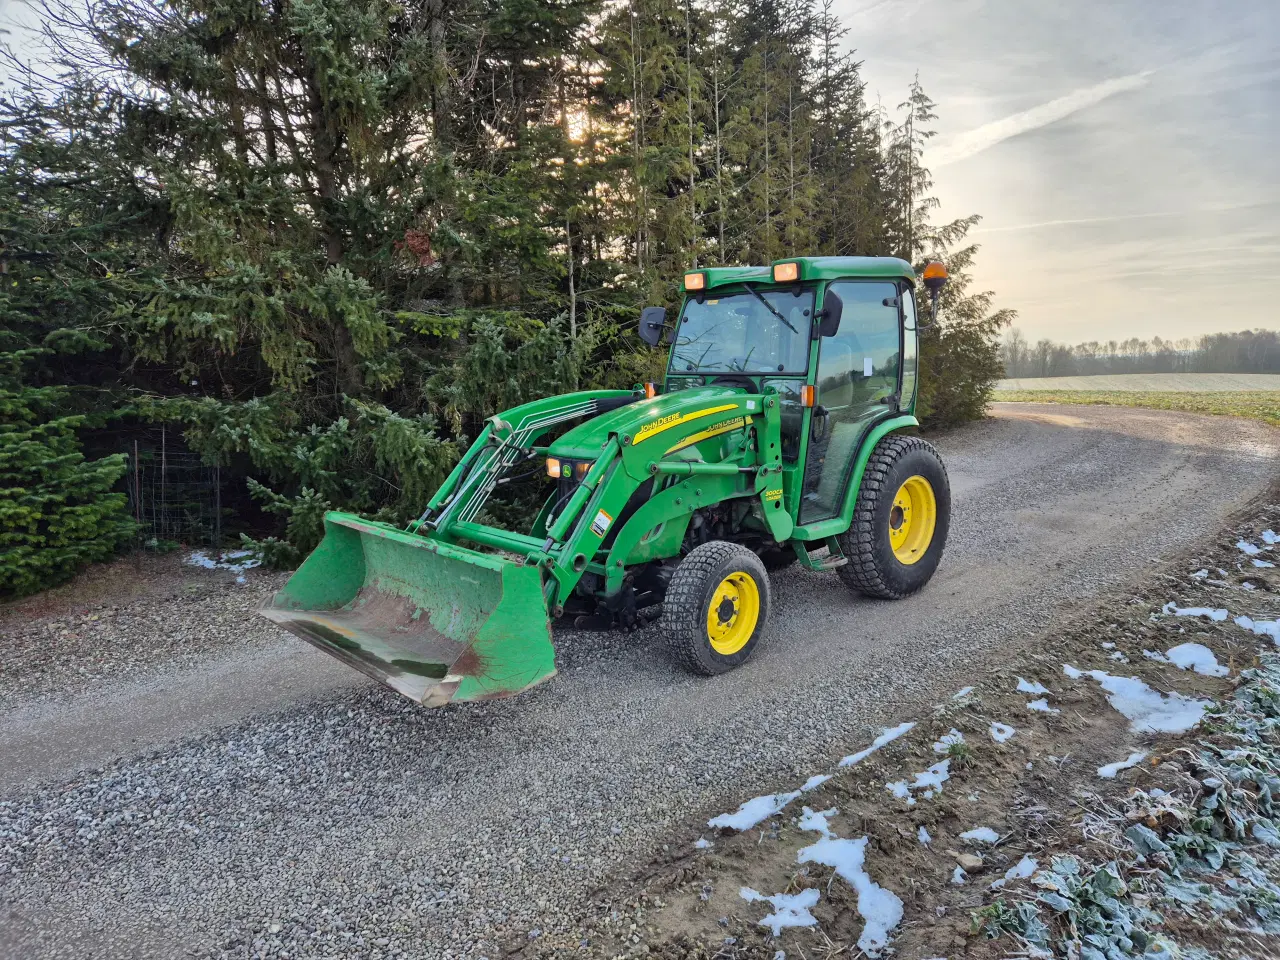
x=701 y=435
x=666 y=423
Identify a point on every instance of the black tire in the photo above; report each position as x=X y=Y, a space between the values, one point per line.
x=687 y=605
x=777 y=559
x=873 y=569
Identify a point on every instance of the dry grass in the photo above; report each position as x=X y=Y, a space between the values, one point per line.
x=1261 y=405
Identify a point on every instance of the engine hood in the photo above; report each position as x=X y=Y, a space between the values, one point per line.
x=647 y=418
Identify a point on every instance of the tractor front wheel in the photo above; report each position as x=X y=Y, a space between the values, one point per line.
x=716 y=607
x=900 y=520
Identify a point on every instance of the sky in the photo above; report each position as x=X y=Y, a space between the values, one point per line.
x=1124 y=154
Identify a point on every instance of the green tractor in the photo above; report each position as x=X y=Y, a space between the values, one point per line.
x=779 y=436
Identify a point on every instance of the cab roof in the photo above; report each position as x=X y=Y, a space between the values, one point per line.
x=814 y=268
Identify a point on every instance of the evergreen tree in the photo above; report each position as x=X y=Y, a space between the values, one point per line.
x=328 y=237
x=58 y=511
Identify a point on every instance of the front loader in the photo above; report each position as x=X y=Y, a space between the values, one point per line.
x=779 y=436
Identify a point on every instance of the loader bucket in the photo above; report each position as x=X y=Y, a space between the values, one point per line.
x=433 y=621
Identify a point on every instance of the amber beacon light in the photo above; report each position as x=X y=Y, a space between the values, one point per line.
x=695 y=281
x=786 y=272
x=935 y=278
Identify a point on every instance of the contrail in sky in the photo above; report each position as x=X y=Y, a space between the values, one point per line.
x=989 y=134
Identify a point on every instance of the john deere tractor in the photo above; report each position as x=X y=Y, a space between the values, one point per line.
x=780 y=435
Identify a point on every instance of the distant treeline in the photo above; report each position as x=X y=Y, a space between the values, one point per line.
x=1248 y=351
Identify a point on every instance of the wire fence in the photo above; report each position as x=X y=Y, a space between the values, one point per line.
x=173 y=496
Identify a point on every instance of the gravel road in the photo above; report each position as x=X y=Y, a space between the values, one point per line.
x=196 y=812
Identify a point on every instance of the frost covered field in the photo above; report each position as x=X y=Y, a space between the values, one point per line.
x=1158 y=382
x=1115 y=793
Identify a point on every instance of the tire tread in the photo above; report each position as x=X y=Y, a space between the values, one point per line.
x=682 y=612
x=862 y=573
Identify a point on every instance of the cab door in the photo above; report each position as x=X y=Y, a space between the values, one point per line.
x=857 y=382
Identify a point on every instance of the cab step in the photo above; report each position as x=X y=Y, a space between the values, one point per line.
x=819 y=560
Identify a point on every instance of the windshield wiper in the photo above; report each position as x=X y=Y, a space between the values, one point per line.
x=770 y=307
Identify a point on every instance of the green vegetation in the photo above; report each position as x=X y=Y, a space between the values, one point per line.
x=328 y=239
x=1261 y=405
x=1184 y=863
x=57 y=511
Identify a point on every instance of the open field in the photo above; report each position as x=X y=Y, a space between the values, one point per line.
x=1261 y=405
x=231 y=792
x=1157 y=382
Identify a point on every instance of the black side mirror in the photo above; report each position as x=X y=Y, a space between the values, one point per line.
x=829 y=318
x=652 y=320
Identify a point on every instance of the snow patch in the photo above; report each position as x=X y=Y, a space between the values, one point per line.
x=816 y=820
x=1075 y=673
x=237 y=561
x=1247 y=548
x=881 y=909
x=1023 y=868
x=888 y=736
x=980 y=835
x=929 y=781
x=1262 y=563
x=962 y=693
x=814 y=782
x=702 y=843
x=1200 y=575
x=1000 y=732
x=1217 y=615
x=1263 y=628
x=1197 y=657
x=1031 y=687
x=958 y=876
x=1042 y=706
x=753 y=811
x=789 y=909
x=1111 y=769
x=1270 y=537
x=946 y=742
x=1147 y=710
x=923 y=836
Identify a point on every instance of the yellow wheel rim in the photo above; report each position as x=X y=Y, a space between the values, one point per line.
x=734 y=612
x=912 y=520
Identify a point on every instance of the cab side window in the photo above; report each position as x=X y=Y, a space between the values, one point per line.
x=857 y=369
x=866 y=355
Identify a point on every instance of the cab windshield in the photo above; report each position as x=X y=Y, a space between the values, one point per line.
x=746 y=331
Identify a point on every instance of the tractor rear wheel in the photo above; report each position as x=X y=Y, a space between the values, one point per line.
x=900 y=520
x=716 y=607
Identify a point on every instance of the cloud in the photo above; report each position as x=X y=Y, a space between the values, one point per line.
x=981 y=138
x=1121 y=217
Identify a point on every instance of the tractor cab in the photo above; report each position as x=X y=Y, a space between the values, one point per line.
x=834 y=337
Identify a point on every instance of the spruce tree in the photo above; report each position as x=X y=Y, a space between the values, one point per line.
x=58 y=512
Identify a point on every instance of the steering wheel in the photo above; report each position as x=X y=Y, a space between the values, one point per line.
x=734 y=380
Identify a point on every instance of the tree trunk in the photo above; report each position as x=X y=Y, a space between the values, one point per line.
x=324 y=141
